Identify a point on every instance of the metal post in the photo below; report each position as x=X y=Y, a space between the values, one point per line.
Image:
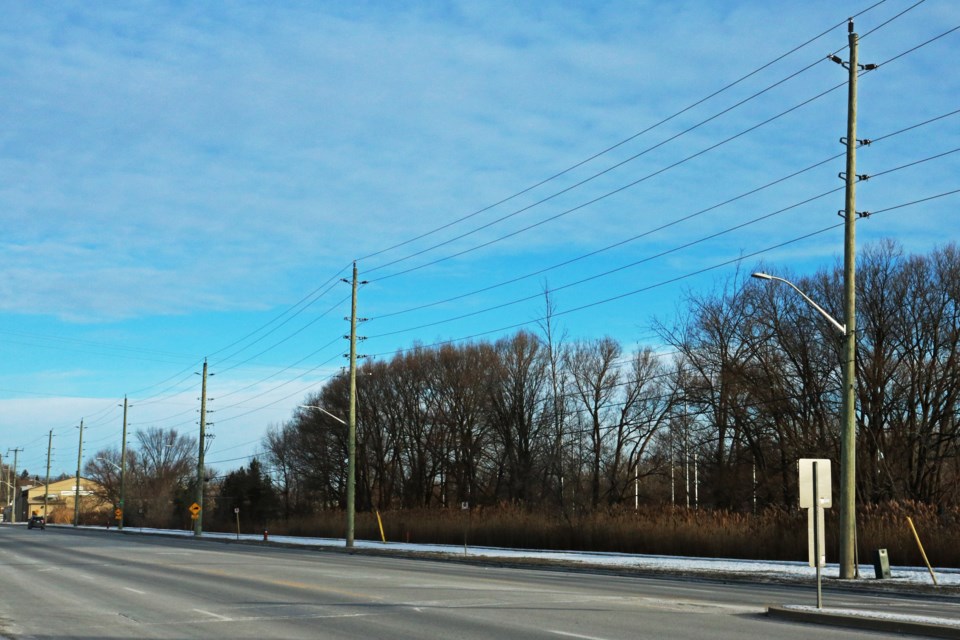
x=123 y=467
x=673 y=484
x=352 y=421
x=696 y=480
x=76 y=488
x=198 y=523
x=686 y=467
x=816 y=534
x=848 y=436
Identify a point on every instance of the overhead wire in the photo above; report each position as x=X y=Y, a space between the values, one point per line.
x=633 y=183
x=631 y=158
x=591 y=178
x=662 y=283
x=655 y=229
x=629 y=138
x=660 y=254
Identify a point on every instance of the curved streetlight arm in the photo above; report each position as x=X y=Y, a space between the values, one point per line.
x=112 y=464
x=830 y=319
x=313 y=406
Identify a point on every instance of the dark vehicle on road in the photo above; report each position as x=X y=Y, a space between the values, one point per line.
x=36 y=521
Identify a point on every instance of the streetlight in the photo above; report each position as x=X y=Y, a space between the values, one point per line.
x=312 y=406
x=112 y=464
x=830 y=319
x=351 y=465
x=848 y=439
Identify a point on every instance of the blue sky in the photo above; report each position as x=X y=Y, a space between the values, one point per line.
x=181 y=181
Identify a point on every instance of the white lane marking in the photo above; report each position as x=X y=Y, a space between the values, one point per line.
x=215 y=615
x=567 y=634
x=143 y=593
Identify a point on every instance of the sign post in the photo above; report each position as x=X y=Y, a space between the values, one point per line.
x=236 y=512
x=815 y=496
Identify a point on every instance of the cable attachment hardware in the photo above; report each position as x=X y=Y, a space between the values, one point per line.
x=840 y=61
x=863 y=214
x=865 y=142
x=861 y=177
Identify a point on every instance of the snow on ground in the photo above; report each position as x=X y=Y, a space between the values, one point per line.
x=767 y=569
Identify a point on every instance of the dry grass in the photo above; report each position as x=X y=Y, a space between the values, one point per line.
x=773 y=534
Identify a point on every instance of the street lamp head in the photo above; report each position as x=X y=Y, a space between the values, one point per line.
x=761 y=276
x=321 y=409
x=112 y=464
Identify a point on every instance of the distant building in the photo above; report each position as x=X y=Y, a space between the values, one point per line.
x=59 y=499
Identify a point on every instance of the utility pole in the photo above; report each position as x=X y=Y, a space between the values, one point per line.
x=76 y=494
x=46 y=483
x=123 y=468
x=6 y=492
x=848 y=427
x=352 y=420
x=16 y=492
x=198 y=523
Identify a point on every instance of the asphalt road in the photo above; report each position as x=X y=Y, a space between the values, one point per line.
x=62 y=583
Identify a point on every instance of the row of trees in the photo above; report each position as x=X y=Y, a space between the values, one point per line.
x=750 y=385
x=161 y=483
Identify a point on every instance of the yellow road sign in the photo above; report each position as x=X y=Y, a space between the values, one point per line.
x=195 y=509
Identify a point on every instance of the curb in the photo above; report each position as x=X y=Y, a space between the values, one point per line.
x=888 y=625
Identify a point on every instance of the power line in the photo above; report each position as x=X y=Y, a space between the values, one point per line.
x=622 y=142
x=604 y=172
x=660 y=254
x=655 y=229
x=665 y=282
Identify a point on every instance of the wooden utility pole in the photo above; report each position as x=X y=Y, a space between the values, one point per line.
x=848 y=427
x=123 y=468
x=198 y=522
x=352 y=420
x=76 y=486
x=16 y=492
x=46 y=483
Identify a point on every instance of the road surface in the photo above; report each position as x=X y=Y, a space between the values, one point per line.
x=65 y=583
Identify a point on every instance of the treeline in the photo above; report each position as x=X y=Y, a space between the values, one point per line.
x=160 y=484
x=750 y=383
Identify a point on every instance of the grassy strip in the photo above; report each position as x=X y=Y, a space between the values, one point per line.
x=772 y=534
